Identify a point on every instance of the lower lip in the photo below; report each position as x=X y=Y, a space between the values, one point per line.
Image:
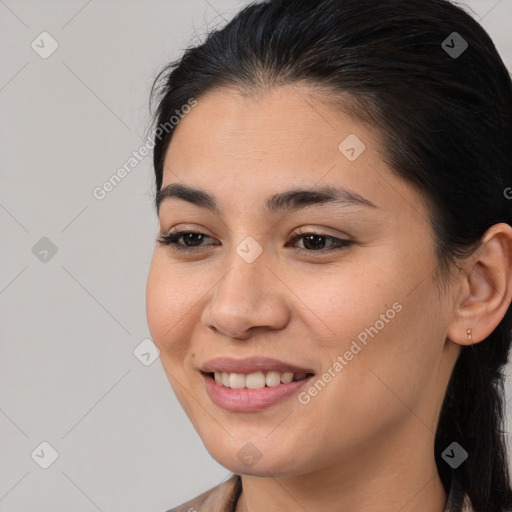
x=250 y=400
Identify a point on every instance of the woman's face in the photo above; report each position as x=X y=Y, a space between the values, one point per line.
x=365 y=318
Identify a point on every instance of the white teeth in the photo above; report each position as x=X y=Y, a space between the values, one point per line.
x=273 y=379
x=236 y=380
x=288 y=377
x=256 y=380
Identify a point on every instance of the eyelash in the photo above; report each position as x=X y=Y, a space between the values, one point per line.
x=171 y=240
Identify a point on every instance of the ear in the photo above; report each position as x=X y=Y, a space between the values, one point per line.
x=485 y=290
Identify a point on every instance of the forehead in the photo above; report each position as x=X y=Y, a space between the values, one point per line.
x=285 y=117
x=284 y=132
x=252 y=146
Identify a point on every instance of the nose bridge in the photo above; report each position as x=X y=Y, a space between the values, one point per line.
x=243 y=284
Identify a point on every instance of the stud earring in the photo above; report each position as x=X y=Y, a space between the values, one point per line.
x=469 y=332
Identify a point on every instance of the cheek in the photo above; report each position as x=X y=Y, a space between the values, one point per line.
x=172 y=302
x=163 y=305
x=342 y=305
x=394 y=370
x=366 y=318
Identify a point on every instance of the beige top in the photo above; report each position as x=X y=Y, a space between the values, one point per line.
x=223 y=498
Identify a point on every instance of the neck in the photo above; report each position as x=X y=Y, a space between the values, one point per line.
x=402 y=476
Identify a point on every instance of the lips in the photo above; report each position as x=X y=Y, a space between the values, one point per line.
x=250 y=400
x=252 y=365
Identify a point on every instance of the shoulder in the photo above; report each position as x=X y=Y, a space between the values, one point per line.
x=220 y=498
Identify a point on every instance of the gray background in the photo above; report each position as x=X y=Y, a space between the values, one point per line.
x=70 y=323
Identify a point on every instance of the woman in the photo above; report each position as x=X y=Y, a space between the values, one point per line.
x=331 y=281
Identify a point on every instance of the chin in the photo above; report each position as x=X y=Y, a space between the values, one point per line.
x=249 y=460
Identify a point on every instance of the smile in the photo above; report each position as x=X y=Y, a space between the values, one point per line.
x=242 y=398
x=256 y=380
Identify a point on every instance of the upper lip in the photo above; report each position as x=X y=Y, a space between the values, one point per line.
x=251 y=365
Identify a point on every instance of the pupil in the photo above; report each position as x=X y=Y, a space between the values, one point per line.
x=308 y=239
x=187 y=237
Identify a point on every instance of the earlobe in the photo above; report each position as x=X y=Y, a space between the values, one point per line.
x=487 y=288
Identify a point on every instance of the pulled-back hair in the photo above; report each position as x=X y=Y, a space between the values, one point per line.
x=445 y=121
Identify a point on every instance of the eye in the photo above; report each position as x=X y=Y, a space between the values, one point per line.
x=312 y=241
x=171 y=239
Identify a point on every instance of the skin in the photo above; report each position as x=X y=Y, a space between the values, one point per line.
x=366 y=441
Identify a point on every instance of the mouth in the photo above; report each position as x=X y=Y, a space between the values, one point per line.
x=253 y=383
x=256 y=380
x=250 y=392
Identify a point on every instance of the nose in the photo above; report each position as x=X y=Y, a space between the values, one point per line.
x=249 y=297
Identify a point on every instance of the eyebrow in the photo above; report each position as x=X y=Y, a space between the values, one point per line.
x=290 y=200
